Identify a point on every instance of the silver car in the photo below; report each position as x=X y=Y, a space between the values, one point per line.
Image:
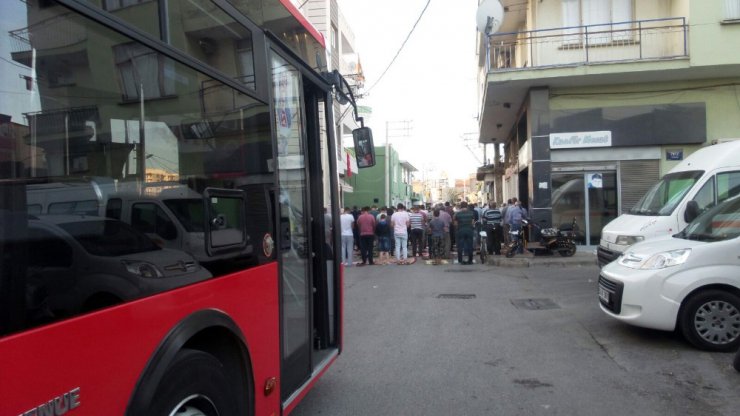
x=80 y=263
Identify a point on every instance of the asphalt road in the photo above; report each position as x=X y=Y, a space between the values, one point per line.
x=409 y=352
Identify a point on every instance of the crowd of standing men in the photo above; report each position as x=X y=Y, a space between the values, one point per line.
x=436 y=230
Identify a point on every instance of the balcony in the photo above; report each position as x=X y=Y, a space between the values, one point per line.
x=640 y=51
x=640 y=40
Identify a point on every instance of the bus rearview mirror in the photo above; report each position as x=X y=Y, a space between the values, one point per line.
x=364 y=147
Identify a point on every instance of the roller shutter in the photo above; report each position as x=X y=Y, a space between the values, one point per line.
x=636 y=177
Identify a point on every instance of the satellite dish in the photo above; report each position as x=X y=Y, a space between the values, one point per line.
x=489 y=16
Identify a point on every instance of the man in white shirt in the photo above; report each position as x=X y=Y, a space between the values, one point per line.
x=347 y=220
x=400 y=222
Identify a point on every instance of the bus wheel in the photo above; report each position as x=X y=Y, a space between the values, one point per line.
x=710 y=320
x=195 y=384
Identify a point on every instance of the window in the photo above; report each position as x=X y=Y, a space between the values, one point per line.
x=83 y=155
x=334 y=36
x=607 y=15
x=142 y=70
x=150 y=218
x=705 y=197
x=206 y=32
x=49 y=250
x=732 y=10
x=112 y=5
x=728 y=185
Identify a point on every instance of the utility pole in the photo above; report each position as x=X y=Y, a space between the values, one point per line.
x=393 y=129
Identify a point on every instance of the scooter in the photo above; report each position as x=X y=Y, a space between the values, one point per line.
x=551 y=239
x=558 y=239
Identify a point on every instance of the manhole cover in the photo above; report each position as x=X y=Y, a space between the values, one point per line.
x=455 y=296
x=534 y=304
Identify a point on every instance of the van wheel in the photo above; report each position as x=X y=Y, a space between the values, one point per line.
x=196 y=384
x=710 y=320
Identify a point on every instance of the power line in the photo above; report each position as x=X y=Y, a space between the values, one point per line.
x=401 y=48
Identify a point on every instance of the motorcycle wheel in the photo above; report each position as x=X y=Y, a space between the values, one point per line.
x=512 y=250
x=568 y=251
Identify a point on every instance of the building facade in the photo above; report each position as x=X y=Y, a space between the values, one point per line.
x=371 y=188
x=589 y=102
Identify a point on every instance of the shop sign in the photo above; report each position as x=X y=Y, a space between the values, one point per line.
x=580 y=140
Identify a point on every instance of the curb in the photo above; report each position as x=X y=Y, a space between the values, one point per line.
x=542 y=261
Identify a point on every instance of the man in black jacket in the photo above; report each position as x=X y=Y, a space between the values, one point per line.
x=492 y=220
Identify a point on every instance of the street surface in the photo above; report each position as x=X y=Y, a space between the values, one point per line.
x=409 y=352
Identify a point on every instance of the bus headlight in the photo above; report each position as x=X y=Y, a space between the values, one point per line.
x=628 y=240
x=142 y=269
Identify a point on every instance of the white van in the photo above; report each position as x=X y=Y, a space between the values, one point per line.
x=704 y=179
x=173 y=216
x=689 y=281
x=72 y=196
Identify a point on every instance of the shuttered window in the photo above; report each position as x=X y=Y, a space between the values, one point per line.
x=636 y=177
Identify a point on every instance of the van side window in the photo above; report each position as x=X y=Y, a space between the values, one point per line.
x=705 y=197
x=728 y=185
x=89 y=207
x=113 y=208
x=150 y=218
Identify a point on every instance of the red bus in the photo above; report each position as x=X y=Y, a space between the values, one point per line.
x=164 y=169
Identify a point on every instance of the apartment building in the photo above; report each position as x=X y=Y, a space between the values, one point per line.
x=588 y=102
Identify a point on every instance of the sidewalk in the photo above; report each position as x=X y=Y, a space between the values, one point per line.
x=581 y=258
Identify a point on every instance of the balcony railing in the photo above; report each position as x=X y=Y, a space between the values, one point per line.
x=55 y=32
x=640 y=40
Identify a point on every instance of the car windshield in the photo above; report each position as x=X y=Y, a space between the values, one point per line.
x=109 y=238
x=665 y=195
x=189 y=212
x=719 y=223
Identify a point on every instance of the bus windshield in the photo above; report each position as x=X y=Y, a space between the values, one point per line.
x=665 y=195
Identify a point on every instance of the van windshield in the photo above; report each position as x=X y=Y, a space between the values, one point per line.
x=719 y=223
x=665 y=195
x=189 y=212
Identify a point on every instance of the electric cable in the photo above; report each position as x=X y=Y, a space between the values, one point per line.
x=401 y=48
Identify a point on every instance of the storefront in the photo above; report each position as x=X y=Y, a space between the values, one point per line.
x=593 y=164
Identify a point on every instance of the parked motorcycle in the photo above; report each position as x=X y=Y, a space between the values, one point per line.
x=560 y=240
